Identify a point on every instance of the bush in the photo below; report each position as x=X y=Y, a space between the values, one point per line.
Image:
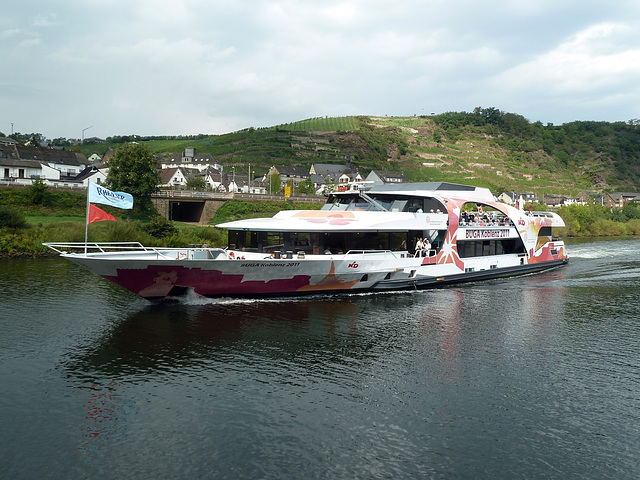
x=38 y=192
x=121 y=231
x=11 y=218
x=160 y=227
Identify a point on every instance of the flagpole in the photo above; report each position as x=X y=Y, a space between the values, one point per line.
x=86 y=225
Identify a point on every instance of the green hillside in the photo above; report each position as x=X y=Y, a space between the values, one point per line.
x=486 y=147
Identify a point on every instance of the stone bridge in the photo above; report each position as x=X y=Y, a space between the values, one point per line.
x=201 y=207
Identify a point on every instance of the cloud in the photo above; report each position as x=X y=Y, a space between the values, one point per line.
x=585 y=61
x=47 y=20
x=163 y=67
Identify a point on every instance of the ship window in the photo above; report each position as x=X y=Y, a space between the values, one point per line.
x=273 y=241
x=234 y=238
x=485 y=248
x=369 y=241
x=306 y=242
x=398 y=205
x=398 y=241
x=544 y=236
x=359 y=204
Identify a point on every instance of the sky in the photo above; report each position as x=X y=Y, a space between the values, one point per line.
x=99 y=68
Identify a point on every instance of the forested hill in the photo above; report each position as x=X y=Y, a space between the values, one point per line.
x=486 y=147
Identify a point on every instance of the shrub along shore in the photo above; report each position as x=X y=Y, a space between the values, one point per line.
x=28 y=220
x=30 y=217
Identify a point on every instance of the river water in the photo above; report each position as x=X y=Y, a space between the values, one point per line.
x=528 y=377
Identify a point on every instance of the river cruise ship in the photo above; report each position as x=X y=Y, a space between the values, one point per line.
x=390 y=237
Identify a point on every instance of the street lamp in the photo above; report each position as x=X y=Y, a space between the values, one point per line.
x=83 y=132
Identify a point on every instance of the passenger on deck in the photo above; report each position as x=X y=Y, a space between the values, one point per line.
x=427 y=247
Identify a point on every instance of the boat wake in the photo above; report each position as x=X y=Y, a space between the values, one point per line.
x=612 y=249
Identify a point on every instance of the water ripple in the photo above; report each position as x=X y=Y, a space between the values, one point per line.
x=527 y=377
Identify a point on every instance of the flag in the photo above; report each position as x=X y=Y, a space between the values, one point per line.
x=98 y=194
x=98 y=215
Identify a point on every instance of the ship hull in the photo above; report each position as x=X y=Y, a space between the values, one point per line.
x=156 y=279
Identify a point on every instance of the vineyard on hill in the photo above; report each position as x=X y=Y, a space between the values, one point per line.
x=486 y=147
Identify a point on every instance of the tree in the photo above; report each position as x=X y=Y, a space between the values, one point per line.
x=275 y=183
x=307 y=187
x=38 y=191
x=133 y=170
x=196 y=183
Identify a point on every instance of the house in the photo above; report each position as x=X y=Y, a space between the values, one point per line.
x=258 y=187
x=25 y=171
x=556 y=200
x=234 y=182
x=513 y=198
x=22 y=164
x=190 y=158
x=216 y=180
x=329 y=171
x=620 y=199
x=108 y=155
x=379 y=177
x=238 y=183
x=173 y=178
x=350 y=177
x=7 y=141
x=94 y=173
x=287 y=174
x=505 y=198
x=70 y=164
x=318 y=181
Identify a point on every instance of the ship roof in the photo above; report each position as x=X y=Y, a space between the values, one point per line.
x=437 y=189
x=327 y=221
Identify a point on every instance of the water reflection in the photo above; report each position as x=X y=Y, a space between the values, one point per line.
x=441 y=320
x=164 y=338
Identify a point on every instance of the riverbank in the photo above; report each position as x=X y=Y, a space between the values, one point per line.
x=26 y=222
x=27 y=241
x=25 y=225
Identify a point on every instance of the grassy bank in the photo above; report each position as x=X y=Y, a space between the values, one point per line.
x=60 y=217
